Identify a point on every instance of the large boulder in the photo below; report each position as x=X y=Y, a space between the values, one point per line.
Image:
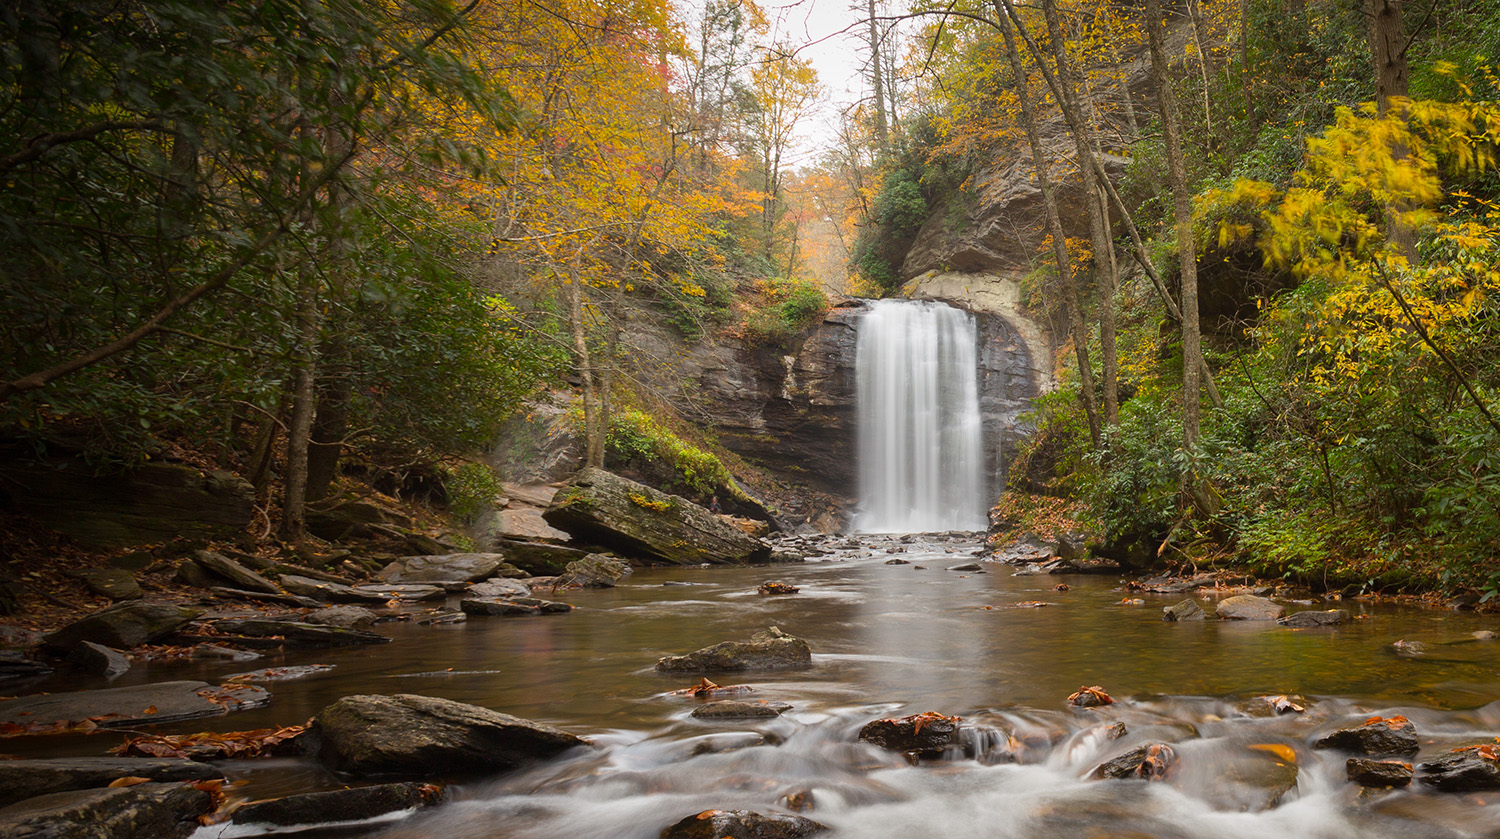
x=594 y=571
x=152 y=502
x=1376 y=736
x=769 y=650
x=445 y=568
x=637 y=520
x=143 y=811
x=123 y=625
x=22 y=779
x=741 y=824
x=1248 y=607
x=1464 y=770
x=924 y=734
x=424 y=736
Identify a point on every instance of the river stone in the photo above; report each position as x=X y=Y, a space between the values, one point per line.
x=408 y=592
x=15 y=666
x=1377 y=773
x=594 y=571
x=297 y=634
x=1249 y=607
x=1305 y=620
x=22 y=779
x=499 y=587
x=115 y=583
x=769 y=650
x=98 y=660
x=1463 y=770
x=337 y=806
x=511 y=606
x=965 y=566
x=923 y=734
x=737 y=709
x=162 y=702
x=1396 y=736
x=637 y=520
x=234 y=572
x=122 y=625
x=143 y=811
x=348 y=617
x=264 y=597
x=1187 y=610
x=444 y=568
x=741 y=824
x=424 y=736
x=1150 y=761
x=330 y=592
x=542 y=559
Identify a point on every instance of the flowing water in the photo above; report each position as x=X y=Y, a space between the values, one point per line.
x=898 y=639
x=920 y=450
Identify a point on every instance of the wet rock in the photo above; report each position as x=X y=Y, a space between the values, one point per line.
x=1307 y=620
x=594 y=571
x=163 y=702
x=330 y=592
x=736 y=709
x=262 y=597
x=1090 y=697
x=338 y=806
x=1486 y=635
x=441 y=617
x=236 y=573
x=406 y=592
x=1187 y=610
x=444 y=568
x=1149 y=762
x=279 y=674
x=424 y=736
x=1378 y=736
x=540 y=558
x=115 y=583
x=15 y=666
x=1249 y=607
x=768 y=650
x=297 y=634
x=218 y=652
x=741 y=824
x=1378 y=773
x=499 y=588
x=898 y=562
x=637 y=520
x=512 y=606
x=143 y=811
x=98 y=660
x=1272 y=706
x=1411 y=649
x=123 y=625
x=1463 y=770
x=922 y=734
x=772 y=587
x=965 y=566
x=22 y=779
x=348 y=617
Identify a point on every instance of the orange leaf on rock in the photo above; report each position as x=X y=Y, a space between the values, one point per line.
x=128 y=781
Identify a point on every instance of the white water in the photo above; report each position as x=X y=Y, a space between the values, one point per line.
x=921 y=456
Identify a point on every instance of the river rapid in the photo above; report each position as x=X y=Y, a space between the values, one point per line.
x=894 y=639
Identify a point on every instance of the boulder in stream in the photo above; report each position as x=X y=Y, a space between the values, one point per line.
x=926 y=734
x=1472 y=768
x=1149 y=762
x=637 y=520
x=22 y=779
x=1249 y=607
x=297 y=634
x=123 y=625
x=348 y=617
x=740 y=709
x=1376 y=736
x=1309 y=619
x=424 y=736
x=142 y=811
x=339 y=806
x=512 y=606
x=162 y=702
x=447 y=568
x=98 y=660
x=594 y=571
x=542 y=559
x=768 y=650
x=1187 y=610
x=741 y=824
x=1378 y=773
x=499 y=587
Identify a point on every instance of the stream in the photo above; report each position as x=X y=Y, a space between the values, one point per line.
x=891 y=640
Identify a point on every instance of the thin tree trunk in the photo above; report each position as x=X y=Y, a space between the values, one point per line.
x=304 y=406
x=1059 y=240
x=1388 y=57
x=593 y=441
x=1195 y=13
x=1187 y=251
x=882 y=134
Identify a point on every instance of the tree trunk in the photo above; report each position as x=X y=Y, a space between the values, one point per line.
x=1187 y=251
x=1071 y=299
x=593 y=440
x=304 y=406
x=882 y=132
x=330 y=425
x=1388 y=57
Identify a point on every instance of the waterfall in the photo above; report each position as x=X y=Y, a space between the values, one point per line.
x=921 y=459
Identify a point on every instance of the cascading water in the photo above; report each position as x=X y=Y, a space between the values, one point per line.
x=921 y=456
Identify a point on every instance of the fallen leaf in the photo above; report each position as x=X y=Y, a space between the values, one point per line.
x=1281 y=751
x=128 y=781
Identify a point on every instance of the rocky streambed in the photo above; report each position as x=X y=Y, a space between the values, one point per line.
x=911 y=686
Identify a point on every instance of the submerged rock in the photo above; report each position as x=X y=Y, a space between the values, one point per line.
x=123 y=625
x=926 y=734
x=22 y=779
x=163 y=702
x=512 y=606
x=1306 y=620
x=637 y=520
x=737 y=709
x=768 y=650
x=1464 y=770
x=1187 y=610
x=424 y=736
x=1378 y=773
x=338 y=806
x=741 y=824
x=297 y=634
x=1249 y=607
x=143 y=811
x=1377 y=736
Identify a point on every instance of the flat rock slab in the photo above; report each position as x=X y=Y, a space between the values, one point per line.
x=499 y=587
x=444 y=568
x=123 y=625
x=736 y=709
x=1249 y=607
x=22 y=779
x=98 y=660
x=263 y=597
x=143 y=811
x=1307 y=620
x=330 y=592
x=243 y=578
x=538 y=558
x=340 y=806
x=128 y=706
x=512 y=606
x=294 y=634
x=423 y=736
x=349 y=617
x=413 y=592
x=769 y=650
x=115 y=583
x=741 y=824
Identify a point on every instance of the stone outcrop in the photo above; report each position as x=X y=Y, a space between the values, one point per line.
x=639 y=521
x=298 y=634
x=768 y=650
x=153 y=502
x=541 y=559
x=22 y=779
x=424 y=736
x=143 y=811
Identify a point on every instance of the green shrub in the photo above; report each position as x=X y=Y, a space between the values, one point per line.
x=472 y=488
x=794 y=305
